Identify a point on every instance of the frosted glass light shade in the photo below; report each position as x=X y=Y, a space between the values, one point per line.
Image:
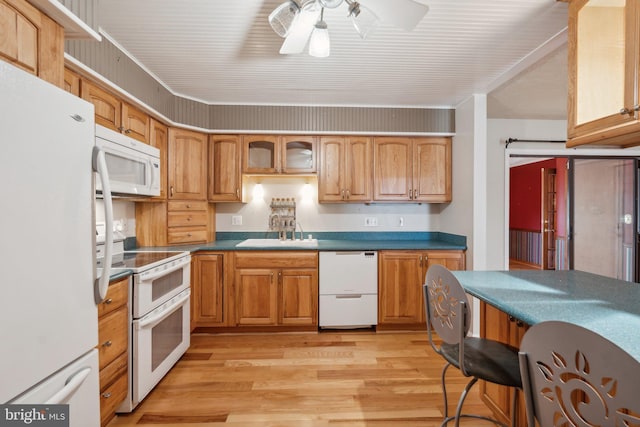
x=320 y=45
x=363 y=19
x=282 y=18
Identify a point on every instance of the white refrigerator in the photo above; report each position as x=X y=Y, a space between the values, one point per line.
x=48 y=311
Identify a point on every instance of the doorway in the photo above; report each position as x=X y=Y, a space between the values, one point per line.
x=538 y=214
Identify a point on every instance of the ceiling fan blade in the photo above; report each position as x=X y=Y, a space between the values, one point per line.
x=404 y=14
x=300 y=32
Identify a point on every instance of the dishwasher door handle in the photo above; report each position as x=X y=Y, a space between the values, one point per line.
x=349 y=296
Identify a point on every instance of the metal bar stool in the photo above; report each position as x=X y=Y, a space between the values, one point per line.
x=449 y=316
x=572 y=376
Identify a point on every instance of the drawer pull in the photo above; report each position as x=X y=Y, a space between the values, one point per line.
x=189 y=235
x=107 y=344
x=106 y=395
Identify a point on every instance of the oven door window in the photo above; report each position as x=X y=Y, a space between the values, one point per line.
x=166 y=336
x=165 y=284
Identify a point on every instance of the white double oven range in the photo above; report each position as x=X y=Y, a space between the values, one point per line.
x=158 y=314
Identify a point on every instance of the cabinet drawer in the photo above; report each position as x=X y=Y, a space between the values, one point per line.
x=185 y=219
x=186 y=205
x=187 y=235
x=113 y=370
x=348 y=310
x=111 y=398
x=112 y=335
x=276 y=260
x=117 y=296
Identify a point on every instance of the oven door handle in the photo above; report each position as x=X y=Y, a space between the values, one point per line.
x=170 y=307
x=153 y=275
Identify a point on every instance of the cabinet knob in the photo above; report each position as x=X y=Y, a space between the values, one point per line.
x=188 y=234
x=108 y=301
x=128 y=131
x=121 y=128
x=625 y=111
x=171 y=190
x=188 y=218
x=107 y=343
x=342 y=194
x=348 y=194
x=106 y=395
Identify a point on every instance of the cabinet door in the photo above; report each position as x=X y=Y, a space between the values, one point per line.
x=32 y=41
x=393 y=169
x=494 y=324
x=207 y=287
x=432 y=169
x=400 y=279
x=331 y=183
x=453 y=260
x=108 y=110
x=357 y=172
x=603 y=43
x=260 y=154
x=298 y=154
x=135 y=123
x=256 y=296
x=71 y=82
x=159 y=138
x=298 y=297
x=187 y=165
x=225 y=178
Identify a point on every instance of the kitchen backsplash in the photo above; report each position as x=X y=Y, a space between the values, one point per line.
x=312 y=216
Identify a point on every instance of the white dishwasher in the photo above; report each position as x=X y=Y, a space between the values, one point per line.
x=348 y=289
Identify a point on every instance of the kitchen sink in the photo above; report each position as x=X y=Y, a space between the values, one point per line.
x=277 y=243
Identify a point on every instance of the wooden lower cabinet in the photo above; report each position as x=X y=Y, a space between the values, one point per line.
x=209 y=297
x=497 y=325
x=401 y=275
x=276 y=289
x=113 y=339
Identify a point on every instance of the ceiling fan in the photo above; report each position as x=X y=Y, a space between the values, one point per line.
x=302 y=21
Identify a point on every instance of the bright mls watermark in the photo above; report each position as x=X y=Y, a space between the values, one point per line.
x=34 y=415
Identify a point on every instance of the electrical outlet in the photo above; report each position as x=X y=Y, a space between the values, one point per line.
x=371 y=221
x=236 y=220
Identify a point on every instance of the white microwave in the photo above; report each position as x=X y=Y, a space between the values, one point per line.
x=133 y=166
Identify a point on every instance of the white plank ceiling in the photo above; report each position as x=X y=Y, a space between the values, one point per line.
x=225 y=52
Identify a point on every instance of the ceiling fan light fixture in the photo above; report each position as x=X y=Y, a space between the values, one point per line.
x=320 y=44
x=330 y=4
x=283 y=17
x=363 y=19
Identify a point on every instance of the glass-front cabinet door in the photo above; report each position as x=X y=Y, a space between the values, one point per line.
x=298 y=154
x=261 y=154
x=603 y=43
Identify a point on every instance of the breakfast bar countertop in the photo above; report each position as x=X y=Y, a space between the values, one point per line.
x=607 y=306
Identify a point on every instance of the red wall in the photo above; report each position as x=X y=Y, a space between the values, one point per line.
x=525 y=195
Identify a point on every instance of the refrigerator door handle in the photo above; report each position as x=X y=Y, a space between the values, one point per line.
x=72 y=384
x=100 y=166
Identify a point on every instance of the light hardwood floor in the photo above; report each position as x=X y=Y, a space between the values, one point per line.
x=335 y=379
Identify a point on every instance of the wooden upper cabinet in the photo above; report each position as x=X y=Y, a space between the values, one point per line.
x=345 y=169
x=159 y=138
x=298 y=154
x=135 y=123
x=412 y=169
x=114 y=114
x=393 y=169
x=225 y=177
x=187 y=158
x=432 y=170
x=272 y=154
x=108 y=108
x=604 y=72
x=32 y=41
x=71 y=82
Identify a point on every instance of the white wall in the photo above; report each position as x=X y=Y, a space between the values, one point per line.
x=314 y=216
x=124 y=212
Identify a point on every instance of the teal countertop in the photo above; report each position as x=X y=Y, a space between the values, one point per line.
x=336 y=241
x=607 y=306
